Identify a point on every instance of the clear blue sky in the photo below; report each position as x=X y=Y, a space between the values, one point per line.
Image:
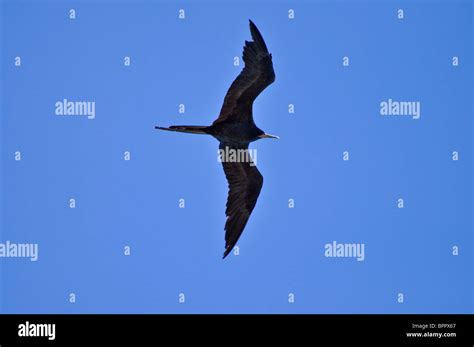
x=135 y=203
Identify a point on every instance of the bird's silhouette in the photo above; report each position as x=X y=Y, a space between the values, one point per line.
x=235 y=129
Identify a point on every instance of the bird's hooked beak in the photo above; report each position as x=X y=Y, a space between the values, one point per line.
x=268 y=136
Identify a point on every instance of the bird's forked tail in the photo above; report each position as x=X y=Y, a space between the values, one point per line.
x=192 y=129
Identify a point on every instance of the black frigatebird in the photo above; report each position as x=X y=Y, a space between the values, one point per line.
x=235 y=129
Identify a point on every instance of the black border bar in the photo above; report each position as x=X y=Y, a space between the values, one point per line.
x=319 y=329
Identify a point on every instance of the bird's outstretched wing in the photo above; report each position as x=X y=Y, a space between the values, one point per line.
x=254 y=78
x=245 y=183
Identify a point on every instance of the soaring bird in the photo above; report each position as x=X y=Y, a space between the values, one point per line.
x=235 y=129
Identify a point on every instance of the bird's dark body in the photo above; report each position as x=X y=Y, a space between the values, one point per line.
x=236 y=129
x=238 y=133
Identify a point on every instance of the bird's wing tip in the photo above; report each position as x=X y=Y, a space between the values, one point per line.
x=257 y=36
x=226 y=252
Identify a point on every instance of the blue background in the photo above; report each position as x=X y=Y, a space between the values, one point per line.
x=190 y=61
